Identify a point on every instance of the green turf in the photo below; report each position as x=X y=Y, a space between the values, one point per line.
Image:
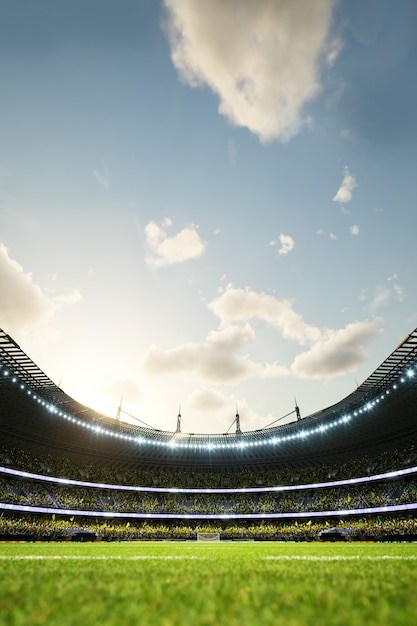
x=216 y=583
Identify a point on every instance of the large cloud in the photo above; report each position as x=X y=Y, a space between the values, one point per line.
x=236 y=305
x=169 y=250
x=23 y=305
x=216 y=409
x=331 y=352
x=338 y=352
x=216 y=360
x=261 y=58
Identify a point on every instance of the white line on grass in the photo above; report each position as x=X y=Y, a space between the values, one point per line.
x=280 y=557
x=285 y=557
x=55 y=557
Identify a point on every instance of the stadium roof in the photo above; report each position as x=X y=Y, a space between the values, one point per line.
x=379 y=415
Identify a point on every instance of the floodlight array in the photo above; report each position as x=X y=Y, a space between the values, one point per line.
x=210 y=446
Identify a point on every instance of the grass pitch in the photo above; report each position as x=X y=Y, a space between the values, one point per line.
x=172 y=584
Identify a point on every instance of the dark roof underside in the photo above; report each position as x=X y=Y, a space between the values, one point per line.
x=387 y=425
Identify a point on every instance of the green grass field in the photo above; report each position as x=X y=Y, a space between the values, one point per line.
x=208 y=583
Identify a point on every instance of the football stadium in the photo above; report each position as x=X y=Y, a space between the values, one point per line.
x=186 y=528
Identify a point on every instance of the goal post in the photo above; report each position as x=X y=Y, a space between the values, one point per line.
x=208 y=536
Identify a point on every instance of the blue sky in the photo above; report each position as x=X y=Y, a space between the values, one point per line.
x=208 y=205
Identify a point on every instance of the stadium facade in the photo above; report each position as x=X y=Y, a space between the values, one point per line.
x=288 y=472
x=380 y=415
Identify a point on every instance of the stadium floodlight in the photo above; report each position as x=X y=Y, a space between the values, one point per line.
x=204 y=446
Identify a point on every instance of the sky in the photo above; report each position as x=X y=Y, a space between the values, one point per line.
x=208 y=207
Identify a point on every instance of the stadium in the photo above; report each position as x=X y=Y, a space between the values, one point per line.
x=347 y=472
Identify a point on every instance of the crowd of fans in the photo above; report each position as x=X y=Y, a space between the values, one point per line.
x=32 y=492
x=149 y=477
x=362 y=529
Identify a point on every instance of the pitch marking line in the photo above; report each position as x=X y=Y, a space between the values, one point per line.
x=283 y=557
x=69 y=557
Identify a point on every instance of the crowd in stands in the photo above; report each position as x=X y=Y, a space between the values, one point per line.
x=51 y=528
x=149 y=477
x=33 y=492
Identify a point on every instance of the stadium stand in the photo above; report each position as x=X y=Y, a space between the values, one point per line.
x=347 y=471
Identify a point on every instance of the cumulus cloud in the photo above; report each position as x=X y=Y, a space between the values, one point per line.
x=287 y=244
x=330 y=353
x=218 y=408
x=344 y=193
x=337 y=352
x=23 y=304
x=170 y=250
x=262 y=59
x=210 y=400
x=216 y=360
x=239 y=305
x=354 y=229
x=212 y=408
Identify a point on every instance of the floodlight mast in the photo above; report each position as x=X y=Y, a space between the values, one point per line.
x=178 y=429
x=237 y=422
x=238 y=431
x=297 y=410
x=120 y=411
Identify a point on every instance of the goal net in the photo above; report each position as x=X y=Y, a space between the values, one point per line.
x=208 y=536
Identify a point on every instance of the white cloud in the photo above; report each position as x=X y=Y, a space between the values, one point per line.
x=221 y=409
x=287 y=244
x=344 y=193
x=261 y=58
x=68 y=299
x=333 y=237
x=216 y=360
x=332 y=352
x=170 y=250
x=354 y=229
x=399 y=293
x=239 y=305
x=209 y=400
x=23 y=304
x=333 y=50
x=337 y=352
x=382 y=295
